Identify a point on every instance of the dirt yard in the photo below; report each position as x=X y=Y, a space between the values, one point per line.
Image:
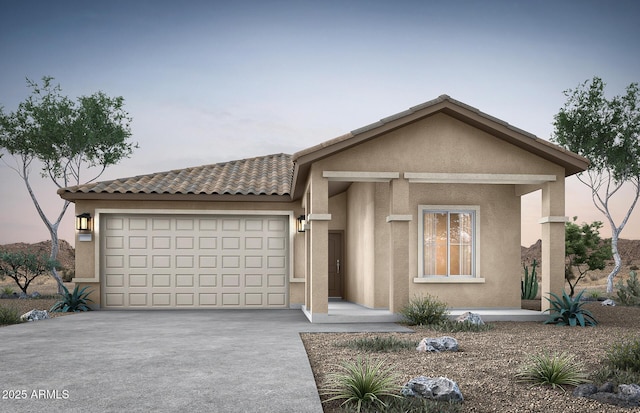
x=485 y=367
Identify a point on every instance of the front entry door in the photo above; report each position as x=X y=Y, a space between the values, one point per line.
x=335 y=264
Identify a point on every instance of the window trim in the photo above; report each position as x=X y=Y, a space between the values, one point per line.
x=475 y=261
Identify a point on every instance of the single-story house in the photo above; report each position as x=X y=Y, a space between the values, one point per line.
x=425 y=201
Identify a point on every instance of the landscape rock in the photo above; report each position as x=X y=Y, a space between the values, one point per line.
x=630 y=392
x=23 y=296
x=445 y=343
x=585 y=390
x=469 y=317
x=609 y=302
x=35 y=294
x=440 y=389
x=34 y=315
x=627 y=395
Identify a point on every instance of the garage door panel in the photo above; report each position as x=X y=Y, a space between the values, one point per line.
x=184 y=280
x=138 y=280
x=208 y=299
x=114 y=299
x=114 y=280
x=138 y=299
x=194 y=261
x=184 y=243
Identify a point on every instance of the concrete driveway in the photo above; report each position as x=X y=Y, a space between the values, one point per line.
x=163 y=361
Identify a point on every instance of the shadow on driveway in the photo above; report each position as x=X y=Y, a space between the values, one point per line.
x=163 y=361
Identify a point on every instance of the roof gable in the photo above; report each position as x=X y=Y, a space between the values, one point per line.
x=303 y=159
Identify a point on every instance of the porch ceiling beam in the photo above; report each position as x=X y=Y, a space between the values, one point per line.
x=462 y=178
x=351 y=176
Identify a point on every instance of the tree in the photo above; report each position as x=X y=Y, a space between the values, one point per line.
x=68 y=138
x=24 y=267
x=607 y=133
x=584 y=251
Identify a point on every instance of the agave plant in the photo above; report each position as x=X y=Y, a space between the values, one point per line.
x=568 y=311
x=73 y=302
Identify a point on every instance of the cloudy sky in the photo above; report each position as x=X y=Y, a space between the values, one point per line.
x=209 y=81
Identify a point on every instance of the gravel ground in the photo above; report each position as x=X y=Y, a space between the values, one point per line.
x=487 y=362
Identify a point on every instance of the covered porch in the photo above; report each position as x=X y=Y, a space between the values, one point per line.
x=341 y=312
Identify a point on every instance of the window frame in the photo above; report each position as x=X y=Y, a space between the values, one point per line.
x=474 y=210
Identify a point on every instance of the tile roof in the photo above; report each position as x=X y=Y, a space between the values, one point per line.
x=264 y=175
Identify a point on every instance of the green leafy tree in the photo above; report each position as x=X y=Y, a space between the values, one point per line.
x=584 y=251
x=67 y=139
x=24 y=267
x=607 y=132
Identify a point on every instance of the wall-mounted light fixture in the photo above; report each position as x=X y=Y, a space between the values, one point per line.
x=84 y=226
x=83 y=222
x=301 y=223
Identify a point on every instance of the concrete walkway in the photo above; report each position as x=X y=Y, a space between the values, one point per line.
x=163 y=361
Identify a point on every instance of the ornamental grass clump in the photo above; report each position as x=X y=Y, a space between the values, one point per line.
x=424 y=310
x=625 y=355
x=568 y=311
x=379 y=344
x=556 y=370
x=8 y=316
x=363 y=383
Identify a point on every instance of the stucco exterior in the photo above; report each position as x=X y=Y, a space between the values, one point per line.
x=370 y=187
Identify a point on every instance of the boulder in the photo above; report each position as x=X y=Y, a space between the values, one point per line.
x=440 y=389
x=469 y=317
x=630 y=392
x=34 y=294
x=445 y=343
x=34 y=315
x=627 y=395
x=609 y=302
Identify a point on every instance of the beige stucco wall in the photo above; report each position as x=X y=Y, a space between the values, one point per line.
x=85 y=250
x=498 y=244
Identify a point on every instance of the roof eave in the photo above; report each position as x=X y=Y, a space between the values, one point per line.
x=78 y=196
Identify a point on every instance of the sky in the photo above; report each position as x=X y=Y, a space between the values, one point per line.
x=209 y=81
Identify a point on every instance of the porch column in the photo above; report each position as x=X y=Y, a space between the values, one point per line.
x=398 y=219
x=553 y=247
x=318 y=243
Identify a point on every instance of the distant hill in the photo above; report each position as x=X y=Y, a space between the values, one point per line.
x=629 y=251
x=66 y=256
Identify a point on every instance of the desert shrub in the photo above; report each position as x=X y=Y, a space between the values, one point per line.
x=529 y=285
x=452 y=326
x=73 y=302
x=629 y=294
x=569 y=311
x=615 y=376
x=594 y=295
x=379 y=344
x=556 y=370
x=625 y=355
x=424 y=310
x=6 y=290
x=68 y=275
x=362 y=384
x=9 y=315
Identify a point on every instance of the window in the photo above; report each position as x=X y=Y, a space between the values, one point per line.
x=448 y=247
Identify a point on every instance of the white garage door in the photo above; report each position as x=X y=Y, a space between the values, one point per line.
x=183 y=261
